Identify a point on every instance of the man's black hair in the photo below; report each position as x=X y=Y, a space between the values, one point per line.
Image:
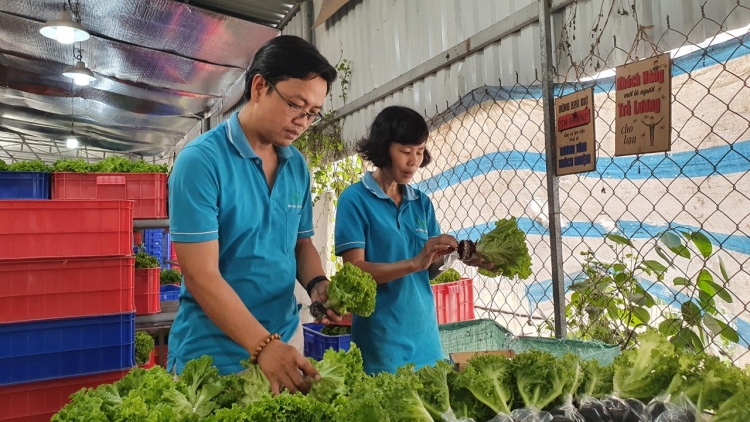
x=286 y=57
x=395 y=124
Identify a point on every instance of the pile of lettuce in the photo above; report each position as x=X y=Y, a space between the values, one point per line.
x=641 y=385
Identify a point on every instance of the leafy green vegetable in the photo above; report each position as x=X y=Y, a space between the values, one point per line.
x=352 y=290
x=290 y=408
x=435 y=393
x=597 y=380
x=170 y=276
x=114 y=164
x=645 y=372
x=144 y=260
x=336 y=330
x=144 y=344
x=36 y=165
x=339 y=371
x=541 y=378
x=74 y=166
x=3 y=165
x=143 y=167
x=490 y=379
x=505 y=247
x=450 y=275
x=197 y=387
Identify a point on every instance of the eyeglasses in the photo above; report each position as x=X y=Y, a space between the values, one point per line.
x=297 y=112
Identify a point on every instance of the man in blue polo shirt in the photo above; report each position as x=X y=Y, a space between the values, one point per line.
x=241 y=220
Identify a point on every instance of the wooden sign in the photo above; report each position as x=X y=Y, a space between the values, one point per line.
x=575 y=135
x=643 y=121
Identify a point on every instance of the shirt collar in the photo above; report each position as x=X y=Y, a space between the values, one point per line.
x=238 y=139
x=369 y=182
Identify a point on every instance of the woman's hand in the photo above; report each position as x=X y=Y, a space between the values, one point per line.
x=435 y=248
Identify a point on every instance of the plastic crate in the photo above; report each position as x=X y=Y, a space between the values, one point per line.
x=38 y=401
x=151 y=361
x=454 y=301
x=586 y=350
x=148 y=190
x=24 y=185
x=168 y=292
x=155 y=243
x=474 y=336
x=45 y=350
x=317 y=343
x=147 y=291
x=173 y=255
x=49 y=289
x=65 y=229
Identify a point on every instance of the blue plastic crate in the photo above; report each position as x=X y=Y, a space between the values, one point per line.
x=169 y=292
x=45 y=350
x=317 y=343
x=156 y=243
x=24 y=185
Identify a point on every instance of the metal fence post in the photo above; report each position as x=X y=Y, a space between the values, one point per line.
x=553 y=188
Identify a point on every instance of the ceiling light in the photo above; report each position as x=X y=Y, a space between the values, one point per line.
x=64 y=29
x=80 y=74
x=71 y=142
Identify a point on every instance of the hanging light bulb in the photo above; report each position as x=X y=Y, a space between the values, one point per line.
x=64 y=29
x=80 y=74
x=72 y=141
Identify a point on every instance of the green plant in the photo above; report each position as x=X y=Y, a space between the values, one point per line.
x=170 y=276
x=609 y=304
x=449 y=276
x=3 y=165
x=36 y=165
x=352 y=290
x=144 y=345
x=324 y=148
x=74 y=166
x=144 y=260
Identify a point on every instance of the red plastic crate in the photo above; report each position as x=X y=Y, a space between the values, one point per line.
x=51 y=289
x=454 y=301
x=147 y=299
x=148 y=190
x=173 y=257
x=38 y=401
x=65 y=229
x=151 y=361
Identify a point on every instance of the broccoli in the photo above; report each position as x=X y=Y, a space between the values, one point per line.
x=352 y=290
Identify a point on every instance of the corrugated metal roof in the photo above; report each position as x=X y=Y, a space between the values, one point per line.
x=271 y=13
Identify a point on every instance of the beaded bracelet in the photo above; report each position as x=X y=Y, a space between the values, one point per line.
x=311 y=284
x=263 y=344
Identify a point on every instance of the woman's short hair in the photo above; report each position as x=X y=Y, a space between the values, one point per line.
x=395 y=124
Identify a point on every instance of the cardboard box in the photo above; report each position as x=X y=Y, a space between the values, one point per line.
x=461 y=359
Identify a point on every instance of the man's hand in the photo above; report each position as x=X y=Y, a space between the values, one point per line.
x=286 y=368
x=320 y=294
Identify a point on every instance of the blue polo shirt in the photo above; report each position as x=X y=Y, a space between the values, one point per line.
x=218 y=190
x=403 y=329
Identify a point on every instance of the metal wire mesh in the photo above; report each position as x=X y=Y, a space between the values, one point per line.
x=490 y=163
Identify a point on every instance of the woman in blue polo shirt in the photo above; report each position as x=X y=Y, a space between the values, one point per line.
x=388 y=228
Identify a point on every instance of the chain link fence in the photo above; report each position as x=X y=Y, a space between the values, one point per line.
x=658 y=240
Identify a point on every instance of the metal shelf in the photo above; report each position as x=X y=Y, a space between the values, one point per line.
x=151 y=224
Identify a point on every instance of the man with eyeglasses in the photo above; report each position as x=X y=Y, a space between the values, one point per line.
x=241 y=220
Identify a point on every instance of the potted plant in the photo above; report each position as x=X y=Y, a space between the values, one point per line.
x=144 y=350
x=147 y=282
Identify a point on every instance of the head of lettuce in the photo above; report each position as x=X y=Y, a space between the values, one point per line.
x=504 y=246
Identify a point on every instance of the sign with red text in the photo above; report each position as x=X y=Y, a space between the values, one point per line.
x=643 y=122
x=575 y=137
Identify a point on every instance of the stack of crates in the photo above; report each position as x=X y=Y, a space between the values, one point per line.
x=67 y=316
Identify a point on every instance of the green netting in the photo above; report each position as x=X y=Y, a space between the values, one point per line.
x=586 y=350
x=473 y=336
